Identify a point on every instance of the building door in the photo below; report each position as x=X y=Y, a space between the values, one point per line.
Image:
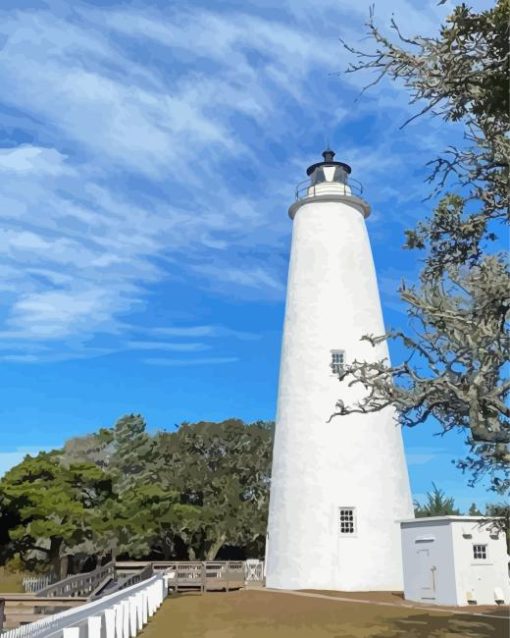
x=426 y=575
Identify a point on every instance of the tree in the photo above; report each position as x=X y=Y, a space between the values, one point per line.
x=438 y=504
x=456 y=369
x=473 y=510
x=94 y=448
x=222 y=470
x=56 y=509
x=184 y=494
x=502 y=512
x=146 y=519
x=133 y=451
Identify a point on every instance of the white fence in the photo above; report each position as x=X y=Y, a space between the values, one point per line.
x=119 y=615
x=33 y=584
x=253 y=570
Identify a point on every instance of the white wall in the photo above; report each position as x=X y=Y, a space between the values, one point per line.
x=427 y=549
x=439 y=566
x=479 y=577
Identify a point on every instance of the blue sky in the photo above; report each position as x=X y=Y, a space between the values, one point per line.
x=148 y=154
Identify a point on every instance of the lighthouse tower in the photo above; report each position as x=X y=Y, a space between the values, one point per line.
x=338 y=488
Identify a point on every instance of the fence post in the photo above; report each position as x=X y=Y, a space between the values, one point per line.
x=145 y=616
x=125 y=619
x=71 y=632
x=139 y=620
x=119 y=622
x=149 y=601
x=109 y=622
x=94 y=627
x=133 y=629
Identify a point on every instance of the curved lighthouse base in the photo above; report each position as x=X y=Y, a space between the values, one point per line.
x=310 y=487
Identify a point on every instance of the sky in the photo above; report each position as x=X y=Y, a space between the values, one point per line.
x=149 y=151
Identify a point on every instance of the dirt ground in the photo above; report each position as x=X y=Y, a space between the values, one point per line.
x=266 y=614
x=397 y=598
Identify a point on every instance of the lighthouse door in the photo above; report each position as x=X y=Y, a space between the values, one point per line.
x=426 y=575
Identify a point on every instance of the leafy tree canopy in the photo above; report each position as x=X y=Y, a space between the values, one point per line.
x=184 y=494
x=456 y=371
x=437 y=504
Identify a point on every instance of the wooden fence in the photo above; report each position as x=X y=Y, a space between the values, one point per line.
x=20 y=609
x=205 y=575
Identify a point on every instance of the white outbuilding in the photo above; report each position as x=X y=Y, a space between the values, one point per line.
x=455 y=560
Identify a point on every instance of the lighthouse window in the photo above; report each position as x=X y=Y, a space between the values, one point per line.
x=337 y=361
x=480 y=551
x=347 y=520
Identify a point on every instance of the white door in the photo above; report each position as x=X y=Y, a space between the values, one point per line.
x=426 y=575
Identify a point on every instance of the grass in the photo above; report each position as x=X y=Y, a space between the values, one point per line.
x=10 y=583
x=262 y=614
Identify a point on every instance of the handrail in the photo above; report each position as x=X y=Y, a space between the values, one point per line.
x=79 y=584
x=306 y=189
x=51 y=625
x=146 y=573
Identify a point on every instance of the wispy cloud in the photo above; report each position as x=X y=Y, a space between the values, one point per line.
x=164 y=145
x=189 y=362
x=204 y=331
x=163 y=345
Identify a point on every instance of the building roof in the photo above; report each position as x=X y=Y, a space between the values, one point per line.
x=449 y=519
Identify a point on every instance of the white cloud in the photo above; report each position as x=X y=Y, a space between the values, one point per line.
x=189 y=362
x=164 y=345
x=204 y=331
x=33 y=159
x=154 y=162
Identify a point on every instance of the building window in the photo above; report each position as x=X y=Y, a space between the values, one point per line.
x=337 y=361
x=347 y=520
x=480 y=552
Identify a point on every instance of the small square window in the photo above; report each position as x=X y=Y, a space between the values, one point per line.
x=347 y=520
x=480 y=552
x=337 y=361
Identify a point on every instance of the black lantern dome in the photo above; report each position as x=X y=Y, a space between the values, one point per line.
x=328 y=156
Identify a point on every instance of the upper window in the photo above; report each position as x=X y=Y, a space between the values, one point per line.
x=337 y=361
x=347 y=520
x=480 y=552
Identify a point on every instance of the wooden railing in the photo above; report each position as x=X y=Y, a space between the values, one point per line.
x=80 y=584
x=252 y=570
x=206 y=575
x=122 y=583
x=21 y=609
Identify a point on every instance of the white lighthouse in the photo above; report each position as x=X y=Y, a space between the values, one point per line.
x=338 y=489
